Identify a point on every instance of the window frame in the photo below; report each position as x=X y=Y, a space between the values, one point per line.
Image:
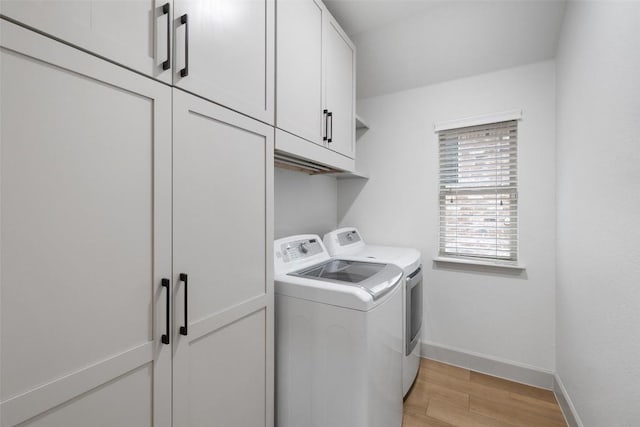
x=503 y=188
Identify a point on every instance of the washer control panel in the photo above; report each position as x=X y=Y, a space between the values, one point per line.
x=300 y=249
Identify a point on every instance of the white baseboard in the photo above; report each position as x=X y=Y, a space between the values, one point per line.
x=566 y=405
x=489 y=365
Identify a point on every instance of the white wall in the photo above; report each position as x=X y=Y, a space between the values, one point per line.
x=304 y=203
x=495 y=313
x=598 y=297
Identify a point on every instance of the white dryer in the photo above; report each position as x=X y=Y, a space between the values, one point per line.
x=347 y=243
x=338 y=338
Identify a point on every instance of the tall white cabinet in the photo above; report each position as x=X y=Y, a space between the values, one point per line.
x=222 y=263
x=85 y=222
x=135 y=252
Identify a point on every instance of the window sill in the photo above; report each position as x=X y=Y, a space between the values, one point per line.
x=467 y=261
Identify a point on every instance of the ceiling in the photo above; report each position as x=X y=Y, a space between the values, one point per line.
x=402 y=44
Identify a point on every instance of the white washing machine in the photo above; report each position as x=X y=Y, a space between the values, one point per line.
x=347 y=243
x=338 y=338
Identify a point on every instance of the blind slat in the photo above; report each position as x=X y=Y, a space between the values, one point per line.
x=478 y=145
x=477 y=191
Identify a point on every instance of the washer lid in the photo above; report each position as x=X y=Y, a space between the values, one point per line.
x=374 y=278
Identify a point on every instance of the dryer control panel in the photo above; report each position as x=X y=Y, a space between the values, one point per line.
x=348 y=237
x=343 y=241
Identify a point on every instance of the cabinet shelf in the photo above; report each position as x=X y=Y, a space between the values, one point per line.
x=350 y=175
x=361 y=124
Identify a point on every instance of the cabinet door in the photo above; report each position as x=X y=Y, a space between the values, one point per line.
x=340 y=88
x=299 y=63
x=129 y=32
x=222 y=236
x=225 y=53
x=86 y=238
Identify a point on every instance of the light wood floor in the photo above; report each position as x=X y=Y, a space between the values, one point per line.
x=444 y=395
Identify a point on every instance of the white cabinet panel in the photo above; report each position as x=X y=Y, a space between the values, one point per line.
x=129 y=32
x=233 y=359
x=226 y=49
x=86 y=227
x=219 y=206
x=340 y=88
x=108 y=405
x=299 y=64
x=223 y=228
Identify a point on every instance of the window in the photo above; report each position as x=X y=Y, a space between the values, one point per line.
x=478 y=192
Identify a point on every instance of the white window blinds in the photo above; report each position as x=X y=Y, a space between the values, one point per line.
x=478 y=192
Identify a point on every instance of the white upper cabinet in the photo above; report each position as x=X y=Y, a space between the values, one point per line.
x=300 y=100
x=315 y=81
x=221 y=50
x=339 y=88
x=132 y=33
x=225 y=53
